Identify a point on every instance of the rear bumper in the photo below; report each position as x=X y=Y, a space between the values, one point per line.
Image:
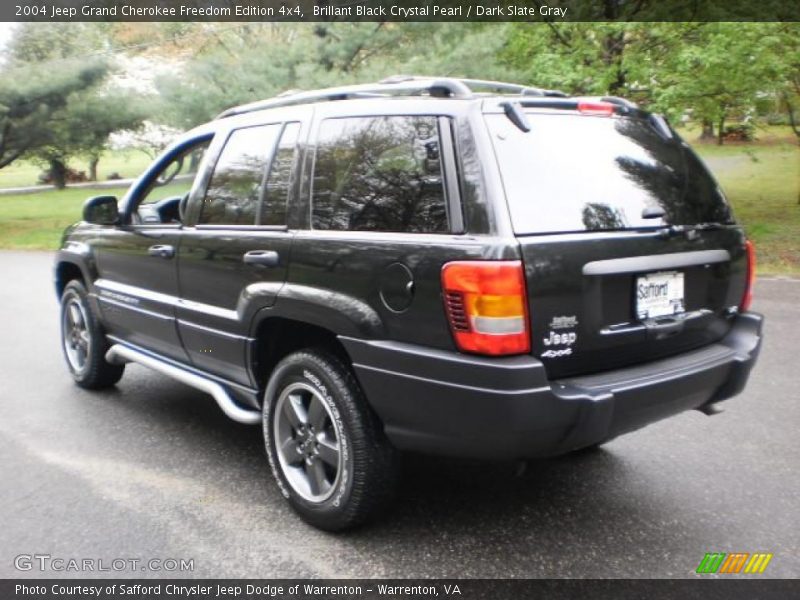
x=442 y=402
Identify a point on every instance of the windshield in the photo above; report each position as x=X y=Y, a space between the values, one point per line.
x=587 y=173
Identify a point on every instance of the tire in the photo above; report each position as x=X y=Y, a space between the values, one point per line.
x=312 y=404
x=83 y=341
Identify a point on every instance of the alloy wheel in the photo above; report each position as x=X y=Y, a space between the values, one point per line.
x=308 y=442
x=75 y=333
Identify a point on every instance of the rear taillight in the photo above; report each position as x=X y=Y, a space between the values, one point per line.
x=486 y=306
x=747 y=297
x=596 y=108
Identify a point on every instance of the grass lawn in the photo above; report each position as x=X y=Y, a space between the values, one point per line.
x=762 y=181
x=128 y=163
x=36 y=221
x=763 y=186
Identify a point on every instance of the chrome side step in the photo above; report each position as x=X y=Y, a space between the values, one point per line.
x=119 y=354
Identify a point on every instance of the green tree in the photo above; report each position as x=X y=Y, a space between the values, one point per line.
x=618 y=59
x=713 y=72
x=83 y=126
x=788 y=38
x=244 y=64
x=55 y=102
x=721 y=71
x=29 y=105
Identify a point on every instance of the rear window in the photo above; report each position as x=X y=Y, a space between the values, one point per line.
x=586 y=173
x=379 y=174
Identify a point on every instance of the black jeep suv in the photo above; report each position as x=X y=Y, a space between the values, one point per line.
x=457 y=267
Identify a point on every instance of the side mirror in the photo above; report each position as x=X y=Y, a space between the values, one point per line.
x=101 y=210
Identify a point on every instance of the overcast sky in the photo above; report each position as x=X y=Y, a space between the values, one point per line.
x=6 y=30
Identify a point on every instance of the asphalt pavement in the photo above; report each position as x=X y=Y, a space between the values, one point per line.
x=153 y=470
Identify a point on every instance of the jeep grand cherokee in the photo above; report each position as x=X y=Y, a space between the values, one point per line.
x=447 y=266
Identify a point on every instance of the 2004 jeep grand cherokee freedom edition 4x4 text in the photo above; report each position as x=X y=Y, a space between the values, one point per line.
x=457 y=267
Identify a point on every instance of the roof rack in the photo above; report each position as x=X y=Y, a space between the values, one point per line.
x=437 y=87
x=398 y=85
x=498 y=86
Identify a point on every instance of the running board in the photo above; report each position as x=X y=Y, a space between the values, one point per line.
x=119 y=354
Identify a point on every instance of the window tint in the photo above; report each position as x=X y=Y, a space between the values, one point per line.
x=281 y=177
x=234 y=193
x=578 y=173
x=379 y=174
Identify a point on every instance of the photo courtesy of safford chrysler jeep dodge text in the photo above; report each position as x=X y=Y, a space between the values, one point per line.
x=447 y=266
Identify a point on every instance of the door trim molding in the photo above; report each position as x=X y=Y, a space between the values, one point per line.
x=158 y=297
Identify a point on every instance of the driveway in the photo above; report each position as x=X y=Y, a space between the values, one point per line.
x=152 y=469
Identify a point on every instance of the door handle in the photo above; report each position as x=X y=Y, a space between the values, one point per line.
x=161 y=251
x=266 y=258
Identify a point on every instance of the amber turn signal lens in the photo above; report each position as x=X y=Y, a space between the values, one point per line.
x=486 y=305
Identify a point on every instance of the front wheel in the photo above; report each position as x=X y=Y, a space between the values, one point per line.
x=326 y=448
x=84 y=342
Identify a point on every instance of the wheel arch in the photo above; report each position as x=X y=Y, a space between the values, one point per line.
x=66 y=271
x=275 y=337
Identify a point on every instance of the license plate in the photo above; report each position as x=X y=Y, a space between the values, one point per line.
x=659 y=294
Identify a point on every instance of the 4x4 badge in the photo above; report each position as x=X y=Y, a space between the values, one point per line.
x=557 y=353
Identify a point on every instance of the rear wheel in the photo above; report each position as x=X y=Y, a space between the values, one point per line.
x=326 y=448
x=84 y=342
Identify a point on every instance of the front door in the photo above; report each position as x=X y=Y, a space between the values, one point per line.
x=237 y=252
x=137 y=288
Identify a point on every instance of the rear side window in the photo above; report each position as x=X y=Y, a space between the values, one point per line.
x=234 y=193
x=281 y=177
x=585 y=173
x=379 y=174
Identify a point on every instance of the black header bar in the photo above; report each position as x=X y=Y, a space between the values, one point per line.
x=400 y=10
x=417 y=589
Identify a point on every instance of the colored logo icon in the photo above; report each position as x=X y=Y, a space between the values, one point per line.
x=734 y=562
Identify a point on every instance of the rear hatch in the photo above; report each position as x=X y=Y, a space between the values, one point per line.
x=630 y=249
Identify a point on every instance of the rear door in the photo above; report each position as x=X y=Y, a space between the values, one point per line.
x=238 y=249
x=629 y=246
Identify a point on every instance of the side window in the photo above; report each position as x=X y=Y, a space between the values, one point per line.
x=234 y=193
x=281 y=177
x=379 y=174
x=160 y=202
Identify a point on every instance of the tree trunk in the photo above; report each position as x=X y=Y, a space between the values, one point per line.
x=708 y=130
x=613 y=52
x=792 y=122
x=93 y=168
x=58 y=171
x=721 y=131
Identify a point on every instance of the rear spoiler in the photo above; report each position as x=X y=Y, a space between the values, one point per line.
x=593 y=105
